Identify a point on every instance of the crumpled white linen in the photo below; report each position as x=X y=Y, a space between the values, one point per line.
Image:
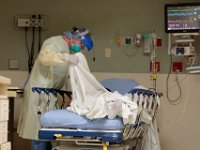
x=91 y=99
x=151 y=140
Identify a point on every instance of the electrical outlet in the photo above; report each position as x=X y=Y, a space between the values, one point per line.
x=13 y=63
x=177 y=66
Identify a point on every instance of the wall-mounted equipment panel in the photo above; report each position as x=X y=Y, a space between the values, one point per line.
x=30 y=21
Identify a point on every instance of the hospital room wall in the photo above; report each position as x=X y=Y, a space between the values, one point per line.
x=103 y=18
x=178 y=124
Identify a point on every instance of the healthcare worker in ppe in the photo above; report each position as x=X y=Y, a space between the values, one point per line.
x=49 y=71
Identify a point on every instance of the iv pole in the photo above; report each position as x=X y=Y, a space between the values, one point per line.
x=153 y=59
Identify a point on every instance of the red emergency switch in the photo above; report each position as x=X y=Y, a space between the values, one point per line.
x=159 y=41
x=157 y=66
x=177 y=66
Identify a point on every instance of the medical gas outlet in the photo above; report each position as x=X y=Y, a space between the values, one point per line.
x=30 y=22
x=127 y=40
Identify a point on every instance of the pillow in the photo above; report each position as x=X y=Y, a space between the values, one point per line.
x=123 y=86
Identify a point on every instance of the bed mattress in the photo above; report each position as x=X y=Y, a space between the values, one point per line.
x=70 y=120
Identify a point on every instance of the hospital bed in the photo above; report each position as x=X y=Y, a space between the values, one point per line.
x=63 y=125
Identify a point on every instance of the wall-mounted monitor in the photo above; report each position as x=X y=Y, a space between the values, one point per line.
x=182 y=18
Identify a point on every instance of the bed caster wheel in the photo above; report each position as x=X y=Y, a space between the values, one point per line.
x=58 y=136
x=105 y=146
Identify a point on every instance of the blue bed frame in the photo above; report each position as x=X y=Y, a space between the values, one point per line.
x=113 y=136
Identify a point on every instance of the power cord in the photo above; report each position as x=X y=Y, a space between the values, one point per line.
x=39 y=33
x=28 y=52
x=31 y=59
x=31 y=52
x=175 y=101
x=26 y=42
x=128 y=53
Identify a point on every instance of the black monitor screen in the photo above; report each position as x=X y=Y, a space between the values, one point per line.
x=183 y=17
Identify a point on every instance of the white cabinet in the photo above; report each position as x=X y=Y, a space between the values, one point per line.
x=3 y=137
x=3 y=126
x=4 y=110
x=5 y=146
x=4 y=114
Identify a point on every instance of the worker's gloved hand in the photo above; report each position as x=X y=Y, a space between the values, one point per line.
x=73 y=59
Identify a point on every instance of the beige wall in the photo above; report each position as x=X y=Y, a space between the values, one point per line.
x=178 y=124
x=103 y=18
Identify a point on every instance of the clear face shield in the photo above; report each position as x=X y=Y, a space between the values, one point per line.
x=78 y=39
